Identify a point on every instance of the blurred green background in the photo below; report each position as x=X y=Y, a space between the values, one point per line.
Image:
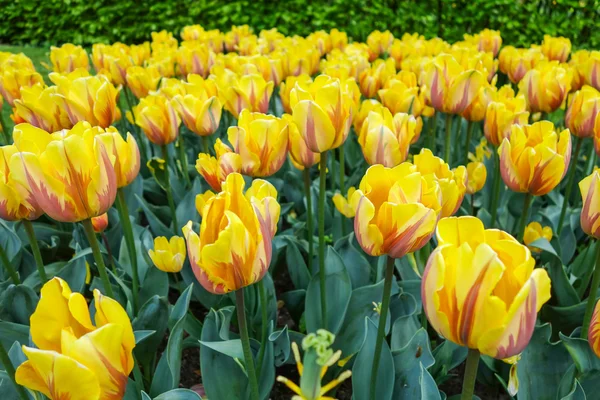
x=522 y=22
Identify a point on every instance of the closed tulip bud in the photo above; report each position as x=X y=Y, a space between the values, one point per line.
x=164 y=61
x=158 y=119
x=261 y=141
x=535 y=231
x=517 y=62
x=476 y=110
x=42 y=108
x=68 y=57
x=489 y=41
x=339 y=39
x=546 y=87
x=480 y=288
x=192 y=32
x=556 y=48
x=194 y=58
x=117 y=68
x=343 y=204
x=13 y=80
x=535 y=158
x=594 y=330
x=171 y=87
x=476 y=176
x=466 y=92
x=125 y=153
x=386 y=140
x=286 y=87
x=379 y=43
x=501 y=115
x=16 y=61
x=590 y=213
x=591 y=70
x=396 y=210
x=234 y=247
x=88 y=98
x=142 y=80
x=249 y=92
x=452 y=182
x=70 y=173
x=168 y=255
x=17 y=200
x=200 y=114
x=75 y=358
x=364 y=110
x=215 y=170
x=100 y=223
x=300 y=155
x=323 y=112
x=163 y=39
x=373 y=79
x=584 y=107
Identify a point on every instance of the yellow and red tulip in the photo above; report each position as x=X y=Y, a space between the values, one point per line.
x=199 y=110
x=501 y=115
x=286 y=87
x=234 y=247
x=215 y=170
x=158 y=119
x=168 y=255
x=124 y=153
x=68 y=57
x=546 y=86
x=17 y=200
x=590 y=213
x=12 y=80
x=594 y=330
x=364 y=110
x=476 y=176
x=300 y=155
x=489 y=41
x=373 y=78
x=194 y=58
x=100 y=223
x=343 y=204
x=142 y=80
x=583 y=109
x=249 y=92
x=42 y=108
x=517 y=62
x=398 y=96
x=591 y=70
x=535 y=231
x=379 y=43
x=556 y=48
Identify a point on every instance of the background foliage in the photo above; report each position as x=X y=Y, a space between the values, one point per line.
x=521 y=22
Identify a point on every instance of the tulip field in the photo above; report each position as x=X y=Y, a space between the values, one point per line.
x=246 y=215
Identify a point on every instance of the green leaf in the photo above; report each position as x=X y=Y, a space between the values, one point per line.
x=360 y=270
x=409 y=361
x=231 y=348
x=157 y=226
x=140 y=336
x=153 y=316
x=159 y=172
x=299 y=273
x=17 y=303
x=179 y=394
x=11 y=332
x=583 y=356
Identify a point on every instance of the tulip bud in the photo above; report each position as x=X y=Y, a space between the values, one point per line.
x=556 y=48
x=584 y=107
x=379 y=43
x=17 y=200
x=591 y=70
x=13 y=80
x=545 y=87
x=100 y=223
x=489 y=41
x=168 y=255
x=68 y=58
x=142 y=80
x=365 y=109
x=535 y=231
x=476 y=177
x=594 y=330
x=249 y=92
x=373 y=78
x=501 y=115
x=590 y=213
x=158 y=119
x=42 y=108
x=517 y=62
x=126 y=155
x=194 y=58
x=215 y=170
x=286 y=88
x=300 y=155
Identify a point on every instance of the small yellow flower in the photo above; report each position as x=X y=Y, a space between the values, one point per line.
x=343 y=203
x=168 y=255
x=535 y=231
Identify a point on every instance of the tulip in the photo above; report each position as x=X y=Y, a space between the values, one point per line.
x=215 y=170
x=556 y=48
x=365 y=109
x=168 y=255
x=373 y=79
x=74 y=358
x=42 y=108
x=343 y=204
x=480 y=290
x=286 y=87
x=164 y=61
x=578 y=63
x=489 y=41
x=594 y=331
x=141 y=81
x=399 y=97
x=535 y=231
x=320 y=40
x=68 y=58
x=171 y=87
x=163 y=39
x=476 y=177
x=546 y=87
x=379 y=43
x=200 y=113
x=250 y=92
x=194 y=58
x=17 y=201
x=386 y=140
x=233 y=249
x=300 y=155
x=100 y=223
x=192 y=32
x=501 y=115
x=13 y=80
x=261 y=141
x=125 y=153
x=158 y=119
x=591 y=70
x=237 y=33
x=517 y=62
x=339 y=40
x=584 y=107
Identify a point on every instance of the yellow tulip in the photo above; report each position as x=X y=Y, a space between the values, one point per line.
x=594 y=330
x=142 y=80
x=386 y=140
x=500 y=115
x=17 y=200
x=535 y=231
x=249 y=92
x=117 y=68
x=192 y=32
x=578 y=63
x=453 y=183
x=88 y=98
x=556 y=48
x=584 y=107
x=286 y=87
x=396 y=210
x=75 y=358
x=480 y=289
x=13 y=80
x=517 y=62
x=489 y=41
x=397 y=96
x=591 y=70
x=300 y=155
x=476 y=110
x=215 y=170
x=379 y=43
x=100 y=223
x=323 y=112
x=234 y=247
x=201 y=200
x=535 y=158
x=124 y=153
x=320 y=40
x=194 y=58
x=171 y=87
x=401 y=50
x=68 y=57
x=364 y=110
x=70 y=173
x=158 y=119
x=168 y=255
x=476 y=176
x=139 y=53
x=339 y=39
x=546 y=87
x=237 y=33
x=590 y=213
x=164 y=61
x=199 y=111
x=261 y=141
x=343 y=203
x=373 y=79
x=163 y=39
x=15 y=61
x=42 y=108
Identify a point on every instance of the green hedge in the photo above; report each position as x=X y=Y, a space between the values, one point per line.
x=521 y=22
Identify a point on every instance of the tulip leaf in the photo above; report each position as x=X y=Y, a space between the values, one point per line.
x=17 y=303
x=359 y=268
x=564 y=319
x=10 y=242
x=187 y=206
x=179 y=394
x=16 y=357
x=448 y=356
x=569 y=387
x=74 y=273
x=11 y=332
x=155 y=282
x=157 y=167
x=140 y=336
x=282 y=340
x=583 y=267
x=294 y=301
x=363 y=366
x=339 y=289
x=568 y=244
x=583 y=356
x=231 y=348
x=153 y=316
x=157 y=226
x=299 y=273
x=405 y=323
x=409 y=360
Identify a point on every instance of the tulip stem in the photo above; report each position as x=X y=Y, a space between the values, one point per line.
x=385 y=305
x=183 y=161
x=570 y=182
x=591 y=300
x=165 y=154
x=4 y=128
x=35 y=249
x=496 y=190
x=322 y=181
x=468 y=388
x=265 y=323
x=130 y=243
x=470 y=126
x=524 y=215
x=432 y=126
x=309 y=217
x=10 y=371
x=8 y=266
x=205 y=148
x=248 y=358
x=110 y=255
x=448 y=138
x=591 y=161
x=139 y=137
x=91 y=237
x=342 y=183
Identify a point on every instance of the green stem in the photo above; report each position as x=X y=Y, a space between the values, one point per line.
x=165 y=154
x=309 y=217
x=137 y=376
x=496 y=189
x=473 y=204
x=591 y=161
x=130 y=243
x=385 y=305
x=470 y=126
x=448 y=138
x=140 y=137
x=333 y=174
x=4 y=128
x=265 y=323
x=431 y=136
x=35 y=249
x=183 y=161
x=91 y=237
x=342 y=183
x=524 y=215
x=591 y=300
x=10 y=371
x=205 y=148
x=249 y=360
x=113 y=267
x=563 y=210
x=322 y=181
x=8 y=266
x=468 y=388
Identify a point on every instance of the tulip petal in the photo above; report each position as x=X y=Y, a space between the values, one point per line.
x=314 y=125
